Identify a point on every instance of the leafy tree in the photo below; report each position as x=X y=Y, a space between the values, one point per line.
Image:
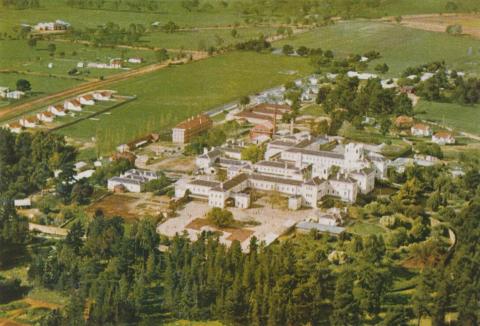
x=23 y=85
x=220 y=217
x=253 y=153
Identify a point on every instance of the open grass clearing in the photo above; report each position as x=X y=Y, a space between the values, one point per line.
x=169 y=96
x=456 y=116
x=400 y=46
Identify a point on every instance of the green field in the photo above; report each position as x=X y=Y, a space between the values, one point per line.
x=460 y=117
x=171 y=95
x=41 y=85
x=400 y=47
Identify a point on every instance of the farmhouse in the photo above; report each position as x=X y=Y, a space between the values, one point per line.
x=28 y=122
x=264 y=113
x=421 y=130
x=443 y=138
x=4 y=91
x=86 y=100
x=185 y=130
x=58 y=110
x=73 y=105
x=133 y=180
x=45 y=116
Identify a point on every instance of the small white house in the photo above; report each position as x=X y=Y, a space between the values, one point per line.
x=45 y=116
x=86 y=100
x=73 y=105
x=4 y=91
x=443 y=138
x=58 y=110
x=421 y=130
x=15 y=95
x=135 y=60
x=25 y=202
x=28 y=122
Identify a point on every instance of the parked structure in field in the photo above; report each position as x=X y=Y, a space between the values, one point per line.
x=135 y=60
x=133 y=180
x=294 y=167
x=443 y=138
x=421 y=130
x=14 y=95
x=185 y=130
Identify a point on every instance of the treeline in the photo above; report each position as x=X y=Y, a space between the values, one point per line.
x=257 y=45
x=21 y=4
x=110 y=34
x=28 y=160
x=131 y=5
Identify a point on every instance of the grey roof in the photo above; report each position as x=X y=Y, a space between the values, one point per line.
x=205 y=183
x=227 y=161
x=316 y=153
x=315 y=181
x=267 y=178
x=320 y=227
x=235 y=181
x=235 y=149
x=212 y=154
x=126 y=180
x=277 y=164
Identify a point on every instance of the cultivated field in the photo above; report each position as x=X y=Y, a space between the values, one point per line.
x=438 y=23
x=400 y=47
x=173 y=94
x=459 y=117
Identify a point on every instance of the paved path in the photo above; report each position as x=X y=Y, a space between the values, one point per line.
x=52 y=230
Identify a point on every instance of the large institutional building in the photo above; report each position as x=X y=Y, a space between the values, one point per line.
x=185 y=130
x=294 y=167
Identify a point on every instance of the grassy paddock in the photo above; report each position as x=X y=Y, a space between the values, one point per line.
x=459 y=117
x=400 y=47
x=171 y=95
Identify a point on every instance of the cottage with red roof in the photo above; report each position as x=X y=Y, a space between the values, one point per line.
x=14 y=127
x=102 y=96
x=443 y=138
x=29 y=122
x=58 y=110
x=421 y=130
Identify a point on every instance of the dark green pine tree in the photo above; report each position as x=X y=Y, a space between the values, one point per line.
x=346 y=311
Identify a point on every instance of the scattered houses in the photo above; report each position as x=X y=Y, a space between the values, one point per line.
x=421 y=130
x=14 y=95
x=185 y=130
x=443 y=138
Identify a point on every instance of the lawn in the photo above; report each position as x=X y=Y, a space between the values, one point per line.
x=400 y=47
x=459 y=117
x=41 y=85
x=364 y=228
x=168 y=96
